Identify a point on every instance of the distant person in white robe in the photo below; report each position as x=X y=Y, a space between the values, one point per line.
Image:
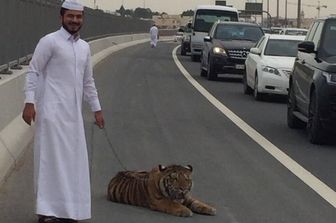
x=58 y=80
x=154 y=35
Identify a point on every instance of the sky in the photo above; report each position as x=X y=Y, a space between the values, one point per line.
x=178 y=6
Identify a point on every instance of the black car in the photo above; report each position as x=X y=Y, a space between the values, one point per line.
x=227 y=46
x=312 y=85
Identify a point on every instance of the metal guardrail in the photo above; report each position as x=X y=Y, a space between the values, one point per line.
x=15 y=64
x=5 y=69
x=88 y=39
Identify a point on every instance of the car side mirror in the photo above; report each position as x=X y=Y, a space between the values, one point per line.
x=256 y=51
x=207 y=39
x=306 y=47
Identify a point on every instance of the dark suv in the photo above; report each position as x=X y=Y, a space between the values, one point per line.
x=312 y=85
x=227 y=46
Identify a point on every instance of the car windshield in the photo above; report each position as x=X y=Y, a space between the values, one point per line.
x=205 y=18
x=328 y=41
x=282 y=48
x=296 y=32
x=238 y=32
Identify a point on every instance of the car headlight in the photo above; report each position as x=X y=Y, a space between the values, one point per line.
x=331 y=78
x=271 y=70
x=218 y=50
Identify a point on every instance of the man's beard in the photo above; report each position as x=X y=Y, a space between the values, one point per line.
x=72 y=32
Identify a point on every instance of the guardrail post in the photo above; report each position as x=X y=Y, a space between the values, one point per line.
x=25 y=62
x=6 y=70
x=17 y=65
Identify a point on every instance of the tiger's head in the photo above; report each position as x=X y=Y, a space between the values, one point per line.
x=175 y=181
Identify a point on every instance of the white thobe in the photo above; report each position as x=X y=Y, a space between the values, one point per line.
x=59 y=77
x=153 y=35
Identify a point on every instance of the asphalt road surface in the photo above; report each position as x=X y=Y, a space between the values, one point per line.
x=154 y=115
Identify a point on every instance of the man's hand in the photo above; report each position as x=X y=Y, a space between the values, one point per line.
x=28 y=113
x=99 y=119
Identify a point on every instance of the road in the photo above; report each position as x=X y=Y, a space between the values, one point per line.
x=155 y=116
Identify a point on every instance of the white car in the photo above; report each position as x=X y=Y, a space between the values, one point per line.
x=269 y=65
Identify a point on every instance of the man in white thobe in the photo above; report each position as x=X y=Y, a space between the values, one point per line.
x=59 y=77
x=154 y=35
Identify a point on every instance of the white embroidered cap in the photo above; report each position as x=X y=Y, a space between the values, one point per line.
x=73 y=5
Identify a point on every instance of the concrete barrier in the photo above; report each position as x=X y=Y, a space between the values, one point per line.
x=15 y=134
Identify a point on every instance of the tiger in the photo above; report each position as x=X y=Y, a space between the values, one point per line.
x=164 y=188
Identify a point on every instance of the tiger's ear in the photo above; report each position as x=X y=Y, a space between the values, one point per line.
x=189 y=167
x=162 y=168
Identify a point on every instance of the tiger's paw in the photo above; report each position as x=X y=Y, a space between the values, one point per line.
x=210 y=211
x=184 y=213
x=181 y=212
x=204 y=209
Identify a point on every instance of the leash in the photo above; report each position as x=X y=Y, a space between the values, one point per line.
x=112 y=148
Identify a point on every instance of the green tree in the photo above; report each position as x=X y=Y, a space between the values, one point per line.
x=121 y=11
x=187 y=13
x=129 y=12
x=143 y=13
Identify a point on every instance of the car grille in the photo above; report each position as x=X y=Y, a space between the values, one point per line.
x=238 y=54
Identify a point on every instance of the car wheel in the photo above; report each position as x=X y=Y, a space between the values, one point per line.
x=211 y=74
x=203 y=72
x=183 y=50
x=316 y=134
x=292 y=121
x=247 y=89
x=256 y=94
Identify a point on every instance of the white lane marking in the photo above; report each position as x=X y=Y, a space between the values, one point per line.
x=308 y=178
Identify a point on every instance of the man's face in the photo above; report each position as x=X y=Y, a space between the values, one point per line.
x=72 y=21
